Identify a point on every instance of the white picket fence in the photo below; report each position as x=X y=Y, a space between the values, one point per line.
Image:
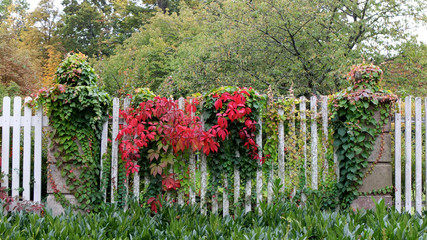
x=27 y=132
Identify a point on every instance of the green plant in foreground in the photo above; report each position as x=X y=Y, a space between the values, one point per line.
x=282 y=220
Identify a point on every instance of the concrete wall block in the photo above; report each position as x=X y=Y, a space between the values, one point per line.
x=59 y=181
x=380 y=177
x=55 y=206
x=377 y=117
x=386 y=153
x=366 y=202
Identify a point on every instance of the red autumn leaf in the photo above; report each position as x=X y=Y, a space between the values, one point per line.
x=218 y=104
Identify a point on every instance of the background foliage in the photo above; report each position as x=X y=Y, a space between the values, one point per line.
x=179 y=47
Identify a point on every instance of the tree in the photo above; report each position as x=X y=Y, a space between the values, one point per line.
x=406 y=73
x=83 y=28
x=16 y=64
x=306 y=45
x=149 y=57
x=95 y=27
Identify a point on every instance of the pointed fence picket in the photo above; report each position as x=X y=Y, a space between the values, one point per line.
x=25 y=152
x=21 y=157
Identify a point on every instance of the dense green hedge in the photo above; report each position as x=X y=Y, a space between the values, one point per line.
x=279 y=221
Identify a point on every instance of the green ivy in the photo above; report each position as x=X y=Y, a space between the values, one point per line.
x=76 y=108
x=356 y=129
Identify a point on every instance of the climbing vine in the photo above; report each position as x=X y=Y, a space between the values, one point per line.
x=76 y=109
x=230 y=115
x=157 y=131
x=356 y=127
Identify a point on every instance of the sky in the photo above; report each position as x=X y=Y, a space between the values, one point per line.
x=421 y=31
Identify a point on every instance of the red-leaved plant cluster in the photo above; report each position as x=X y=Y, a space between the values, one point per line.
x=159 y=122
x=232 y=108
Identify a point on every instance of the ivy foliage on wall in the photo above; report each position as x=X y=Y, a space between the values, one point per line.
x=76 y=108
x=356 y=128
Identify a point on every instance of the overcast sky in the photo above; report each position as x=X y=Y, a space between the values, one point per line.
x=420 y=31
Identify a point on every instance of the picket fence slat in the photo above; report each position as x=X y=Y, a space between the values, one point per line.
x=248 y=195
x=304 y=131
x=236 y=181
x=114 y=148
x=259 y=169
x=225 y=203
x=126 y=103
x=408 y=154
x=203 y=174
x=104 y=149
x=27 y=151
x=5 y=141
x=313 y=105
x=16 y=146
x=398 y=159
x=281 y=153
x=325 y=135
x=38 y=126
x=418 y=156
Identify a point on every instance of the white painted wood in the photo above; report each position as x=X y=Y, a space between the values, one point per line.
x=325 y=135
x=225 y=202
x=192 y=164
x=38 y=127
x=180 y=193
x=203 y=174
x=313 y=105
x=236 y=181
x=281 y=151
x=114 y=148
x=16 y=146
x=5 y=149
x=248 y=196
x=259 y=169
x=304 y=131
x=408 y=154
x=26 y=168
x=398 y=160
x=126 y=103
x=203 y=184
x=418 y=156
x=215 y=202
x=104 y=148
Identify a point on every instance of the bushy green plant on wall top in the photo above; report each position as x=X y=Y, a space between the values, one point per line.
x=76 y=108
x=356 y=129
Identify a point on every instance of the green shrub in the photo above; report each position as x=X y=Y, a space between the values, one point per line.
x=282 y=220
